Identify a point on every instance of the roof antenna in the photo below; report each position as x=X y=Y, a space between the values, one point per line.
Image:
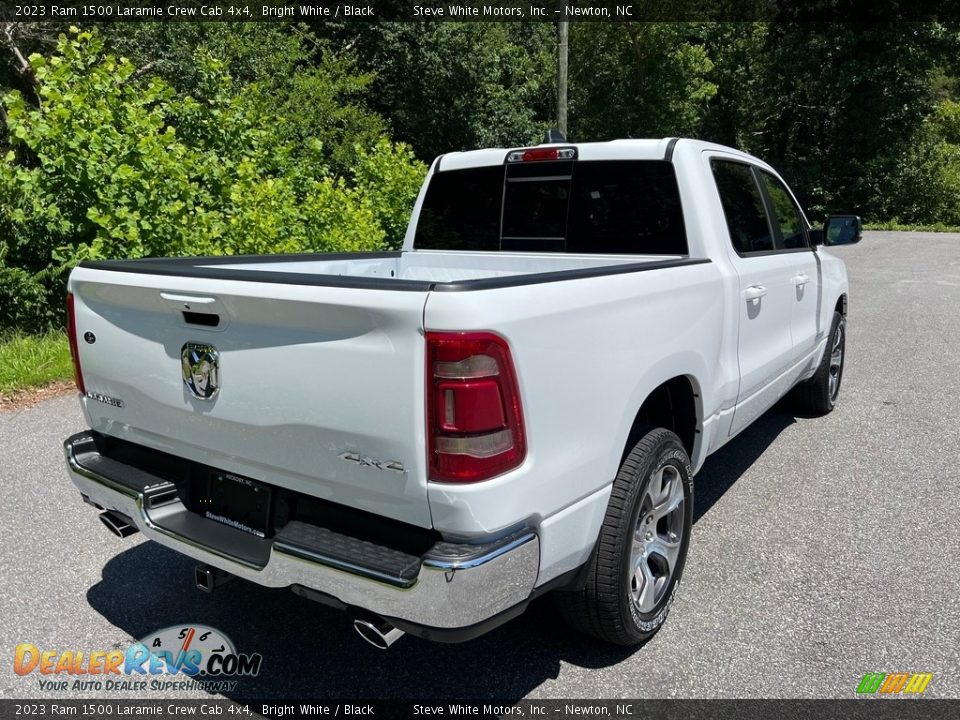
x=554 y=136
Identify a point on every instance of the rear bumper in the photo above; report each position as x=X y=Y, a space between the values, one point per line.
x=457 y=586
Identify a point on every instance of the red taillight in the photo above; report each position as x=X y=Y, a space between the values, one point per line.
x=474 y=420
x=74 y=351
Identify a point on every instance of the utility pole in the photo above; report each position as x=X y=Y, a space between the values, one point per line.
x=563 y=49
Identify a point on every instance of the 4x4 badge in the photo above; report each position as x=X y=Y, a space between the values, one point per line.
x=201 y=370
x=368 y=462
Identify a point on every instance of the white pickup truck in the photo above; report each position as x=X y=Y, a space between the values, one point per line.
x=516 y=403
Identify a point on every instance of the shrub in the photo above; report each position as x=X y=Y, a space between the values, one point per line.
x=112 y=165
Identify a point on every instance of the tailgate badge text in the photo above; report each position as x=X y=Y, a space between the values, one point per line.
x=363 y=461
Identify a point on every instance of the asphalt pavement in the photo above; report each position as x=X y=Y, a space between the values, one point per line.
x=823 y=548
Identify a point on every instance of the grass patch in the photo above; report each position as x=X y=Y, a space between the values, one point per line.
x=938 y=227
x=28 y=361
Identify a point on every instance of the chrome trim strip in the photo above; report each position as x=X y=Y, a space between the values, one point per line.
x=446 y=593
x=507 y=547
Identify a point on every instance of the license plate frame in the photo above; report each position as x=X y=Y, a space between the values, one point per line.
x=238 y=502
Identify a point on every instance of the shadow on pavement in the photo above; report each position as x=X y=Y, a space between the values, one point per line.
x=310 y=650
x=722 y=469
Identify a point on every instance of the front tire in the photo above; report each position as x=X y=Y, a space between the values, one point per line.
x=820 y=394
x=635 y=570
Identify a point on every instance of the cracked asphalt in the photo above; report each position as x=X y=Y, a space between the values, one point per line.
x=823 y=548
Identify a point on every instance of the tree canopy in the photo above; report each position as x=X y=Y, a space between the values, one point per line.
x=135 y=139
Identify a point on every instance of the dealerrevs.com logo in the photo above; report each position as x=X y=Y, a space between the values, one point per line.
x=894 y=683
x=180 y=657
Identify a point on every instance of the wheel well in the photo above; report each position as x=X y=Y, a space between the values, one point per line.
x=672 y=405
x=842 y=305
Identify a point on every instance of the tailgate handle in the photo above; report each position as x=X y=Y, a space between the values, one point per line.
x=187 y=300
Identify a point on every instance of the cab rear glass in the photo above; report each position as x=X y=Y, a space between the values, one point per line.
x=603 y=206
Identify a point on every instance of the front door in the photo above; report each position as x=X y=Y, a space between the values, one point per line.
x=805 y=276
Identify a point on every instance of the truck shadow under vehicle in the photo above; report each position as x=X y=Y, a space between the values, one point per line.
x=308 y=649
x=722 y=469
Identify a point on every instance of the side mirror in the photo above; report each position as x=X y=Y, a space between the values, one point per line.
x=841 y=230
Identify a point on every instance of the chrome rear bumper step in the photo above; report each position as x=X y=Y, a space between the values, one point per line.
x=453 y=585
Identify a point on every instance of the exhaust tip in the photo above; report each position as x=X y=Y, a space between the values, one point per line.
x=118 y=524
x=378 y=633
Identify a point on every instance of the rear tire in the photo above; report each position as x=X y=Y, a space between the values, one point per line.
x=820 y=394
x=639 y=558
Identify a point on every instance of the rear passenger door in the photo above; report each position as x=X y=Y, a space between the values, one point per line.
x=767 y=295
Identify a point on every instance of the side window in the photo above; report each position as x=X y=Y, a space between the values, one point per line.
x=742 y=206
x=788 y=215
x=626 y=206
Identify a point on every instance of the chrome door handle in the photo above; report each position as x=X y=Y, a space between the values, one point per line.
x=754 y=292
x=800 y=279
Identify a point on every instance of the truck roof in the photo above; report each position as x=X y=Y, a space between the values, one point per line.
x=639 y=149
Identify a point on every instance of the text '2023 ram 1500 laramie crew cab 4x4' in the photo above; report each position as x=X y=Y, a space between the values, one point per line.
x=517 y=402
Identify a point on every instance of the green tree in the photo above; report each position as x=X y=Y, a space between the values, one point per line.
x=458 y=86
x=116 y=163
x=923 y=186
x=305 y=89
x=841 y=102
x=741 y=58
x=638 y=80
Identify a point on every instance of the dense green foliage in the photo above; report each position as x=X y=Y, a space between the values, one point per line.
x=457 y=86
x=926 y=173
x=857 y=117
x=304 y=89
x=638 y=80
x=214 y=138
x=108 y=163
x=850 y=104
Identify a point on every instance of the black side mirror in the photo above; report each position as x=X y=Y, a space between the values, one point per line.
x=841 y=230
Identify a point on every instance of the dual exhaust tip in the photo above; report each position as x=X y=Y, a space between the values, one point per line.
x=376 y=631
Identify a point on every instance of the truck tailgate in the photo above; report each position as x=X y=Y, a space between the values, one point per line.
x=320 y=388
